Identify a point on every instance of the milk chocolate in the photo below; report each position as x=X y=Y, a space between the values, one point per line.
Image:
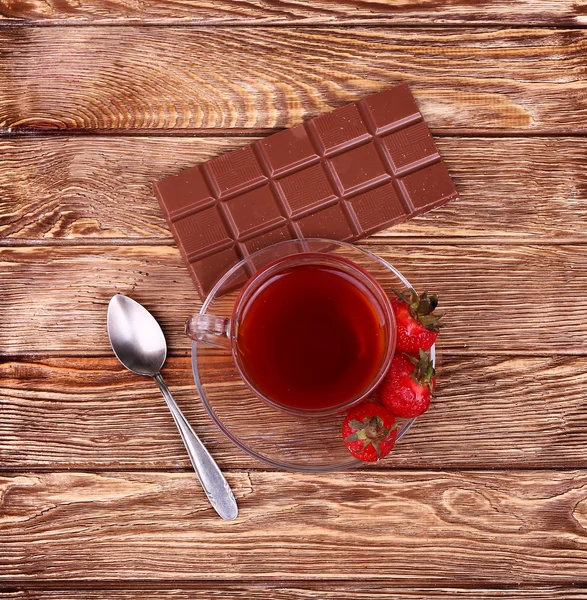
x=344 y=175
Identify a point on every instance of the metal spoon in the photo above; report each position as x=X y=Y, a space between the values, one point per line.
x=139 y=344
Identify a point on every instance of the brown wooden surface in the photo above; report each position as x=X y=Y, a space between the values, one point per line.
x=89 y=413
x=184 y=79
x=486 y=496
x=497 y=299
x=333 y=590
x=432 y=527
x=111 y=198
x=275 y=12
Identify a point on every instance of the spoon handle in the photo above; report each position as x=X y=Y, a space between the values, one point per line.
x=215 y=485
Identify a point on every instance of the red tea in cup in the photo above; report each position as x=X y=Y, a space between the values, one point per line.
x=313 y=332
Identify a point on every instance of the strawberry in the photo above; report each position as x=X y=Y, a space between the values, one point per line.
x=408 y=386
x=417 y=325
x=369 y=431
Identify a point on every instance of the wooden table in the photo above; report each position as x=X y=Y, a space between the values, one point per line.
x=486 y=497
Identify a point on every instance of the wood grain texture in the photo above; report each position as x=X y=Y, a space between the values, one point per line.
x=74 y=190
x=431 y=528
x=163 y=78
x=113 y=502
x=332 y=590
x=497 y=299
x=81 y=413
x=414 y=12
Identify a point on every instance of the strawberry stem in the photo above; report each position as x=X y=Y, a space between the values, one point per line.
x=372 y=431
x=424 y=371
x=421 y=308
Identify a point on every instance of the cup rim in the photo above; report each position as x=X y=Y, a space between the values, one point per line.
x=384 y=305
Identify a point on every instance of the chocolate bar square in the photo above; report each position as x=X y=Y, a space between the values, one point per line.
x=306 y=190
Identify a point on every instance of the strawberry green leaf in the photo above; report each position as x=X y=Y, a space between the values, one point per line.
x=424 y=371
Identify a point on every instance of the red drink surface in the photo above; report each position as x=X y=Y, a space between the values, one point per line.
x=311 y=338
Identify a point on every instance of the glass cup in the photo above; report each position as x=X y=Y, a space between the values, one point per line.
x=223 y=332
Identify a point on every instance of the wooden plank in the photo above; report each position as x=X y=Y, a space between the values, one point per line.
x=74 y=190
x=416 y=12
x=324 y=591
x=80 y=413
x=497 y=299
x=163 y=78
x=422 y=528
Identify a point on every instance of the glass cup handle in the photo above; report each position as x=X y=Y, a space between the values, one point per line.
x=209 y=329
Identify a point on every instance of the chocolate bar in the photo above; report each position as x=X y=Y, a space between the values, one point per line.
x=344 y=175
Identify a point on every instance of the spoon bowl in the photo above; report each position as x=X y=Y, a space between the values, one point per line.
x=135 y=336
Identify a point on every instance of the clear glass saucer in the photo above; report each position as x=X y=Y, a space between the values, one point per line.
x=310 y=444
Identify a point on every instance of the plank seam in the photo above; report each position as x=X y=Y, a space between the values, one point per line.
x=11 y=471
x=267 y=581
x=10 y=133
x=366 y=23
x=446 y=349
x=429 y=241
